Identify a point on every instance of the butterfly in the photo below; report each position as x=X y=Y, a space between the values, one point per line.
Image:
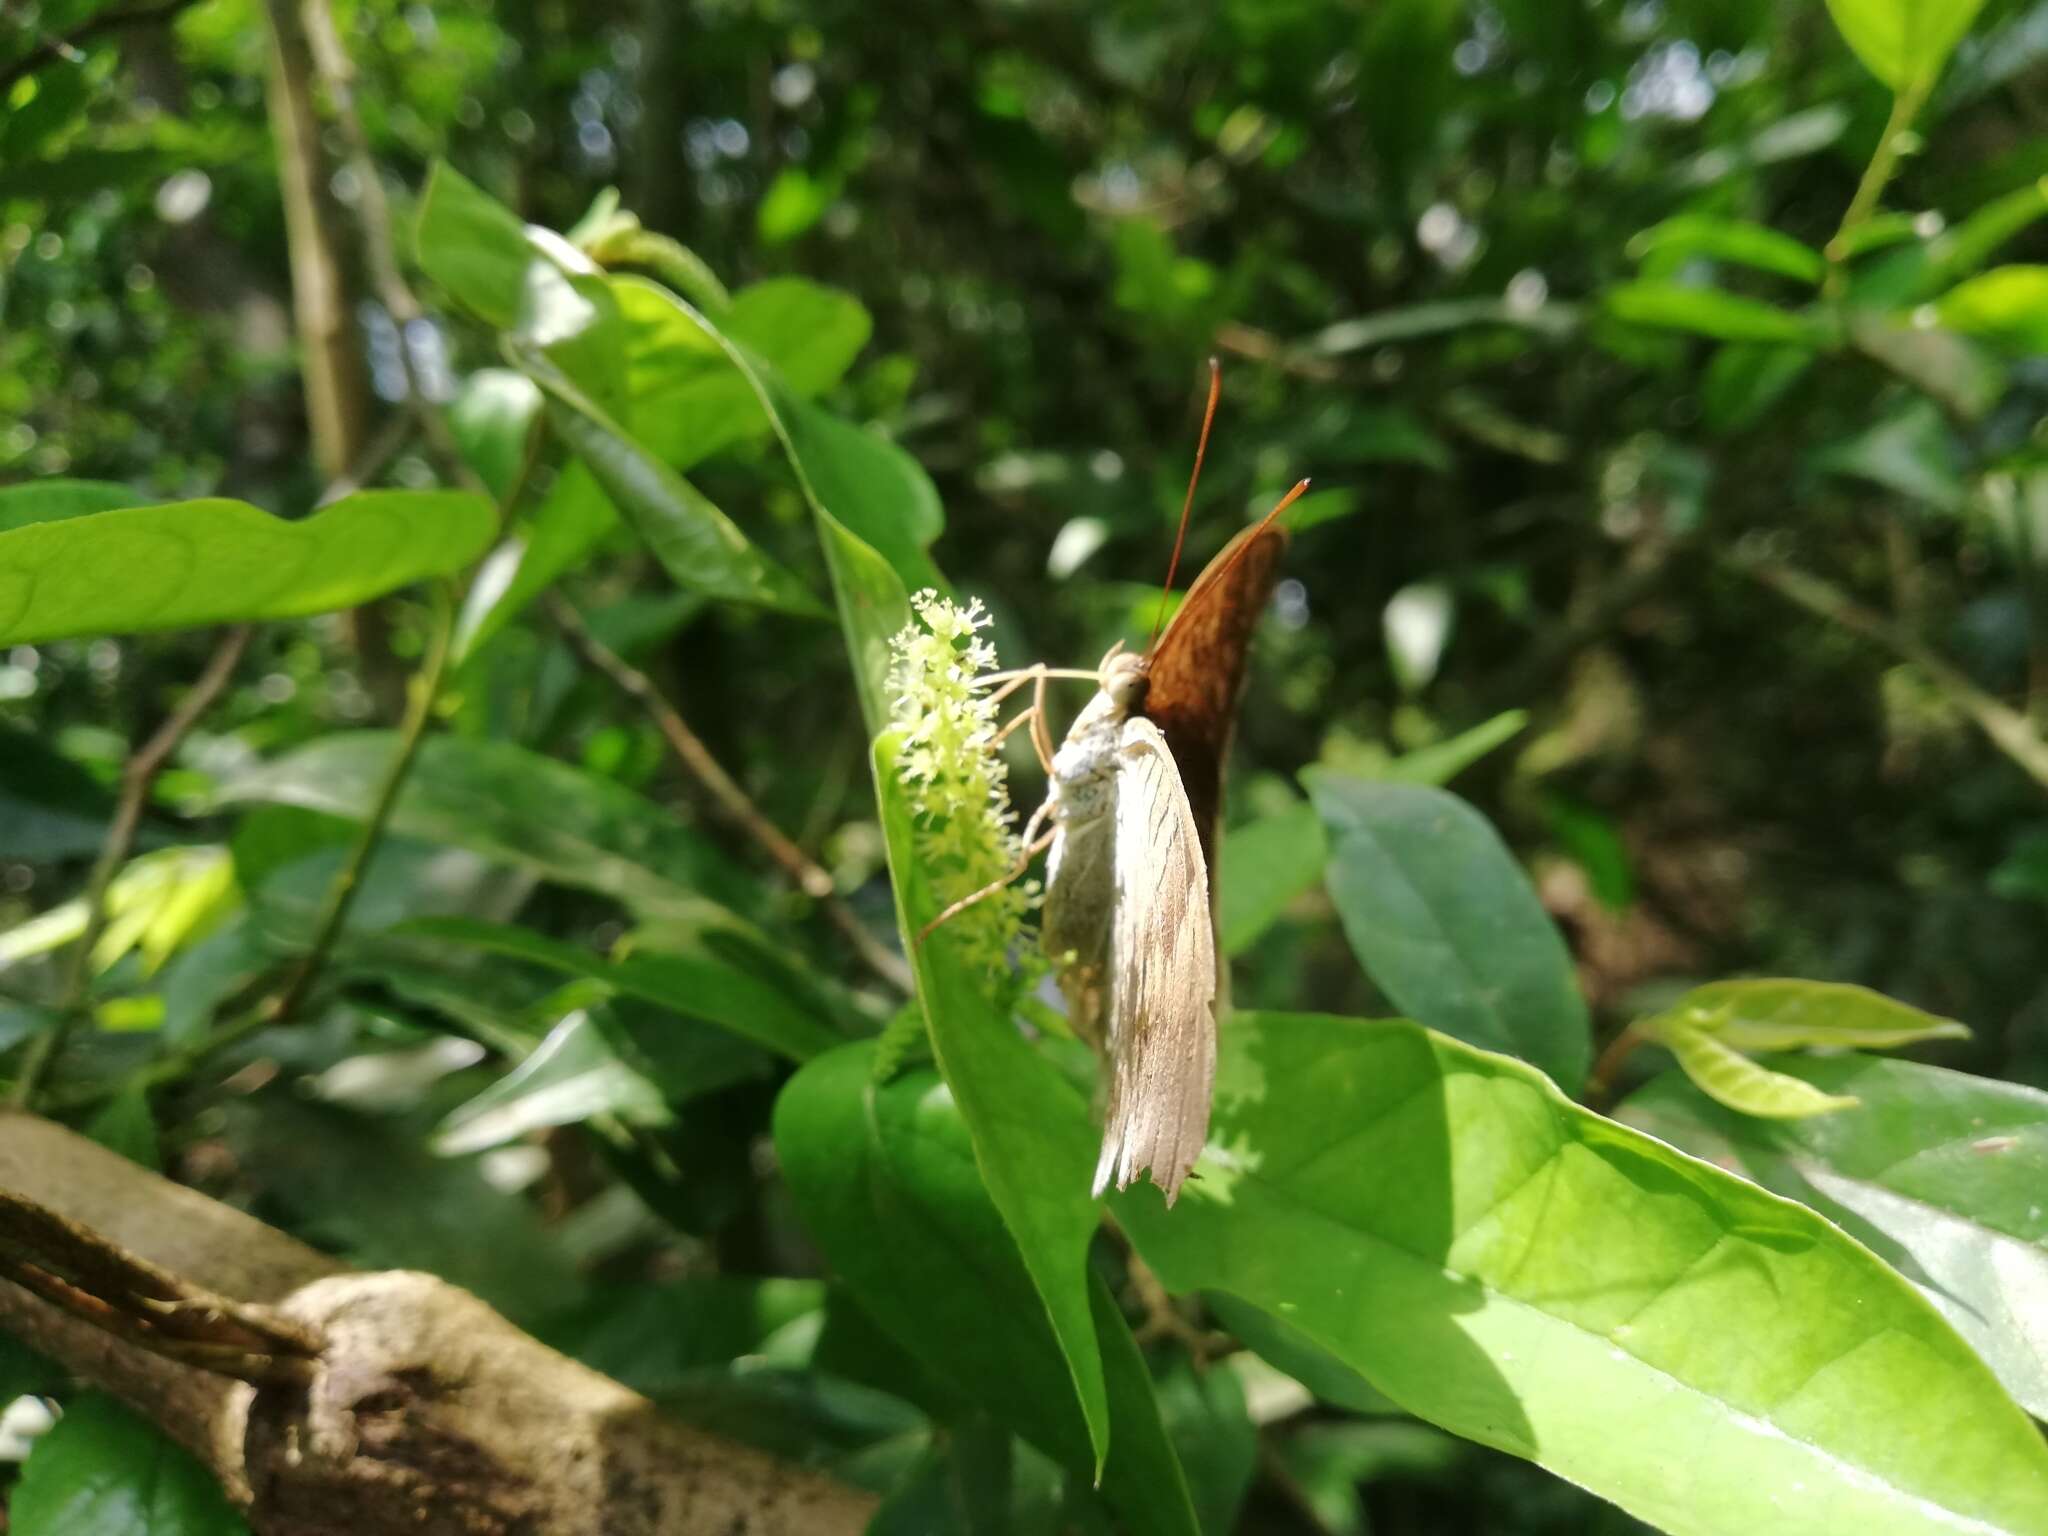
x=1135 y=790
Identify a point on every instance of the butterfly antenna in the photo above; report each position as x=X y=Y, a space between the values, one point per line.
x=1247 y=540
x=1186 y=507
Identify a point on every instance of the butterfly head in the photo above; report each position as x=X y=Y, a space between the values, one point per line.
x=1125 y=676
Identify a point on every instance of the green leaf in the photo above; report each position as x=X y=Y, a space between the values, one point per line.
x=474 y=246
x=885 y=1181
x=1731 y=1078
x=126 y=1126
x=651 y=1336
x=1939 y=1172
x=696 y=986
x=190 y=563
x=1733 y=240
x=794 y=201
x=1711 y=312
x=1032 y=1136
x=1904 y=42
x=573 y=1075
x=1956 y=371
x=1288 y=1350
x=1911 y=451
x=1442 y=761
x=517 y=807
x=1788 y=1014
x=1963 y=248
x=1746 y=379
x=101 y=1470
x=1413 y=321
x=1446 y=923
x=1213 y=1435
x=52 y=501
x=2007 y=304
x=1523 y=1272
x=492 y=421
x=1271 y=861
x=701 y=548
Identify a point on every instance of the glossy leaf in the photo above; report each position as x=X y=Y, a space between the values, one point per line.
x=2006 y=304
x=1270 y=862
x=701 y=548
x=1904 y=42
x=492 y=421
x=1030 y=1129
x=1940 y=1173
x=573 y=1075
x=885 y=1180
x=697 y=986
x=474 y=246
x=190 y=563
x=1731 y=1078
x=1711 y=312
x=1732 y=240
x=1446 y=923
x=517 y=807
x=100 y=1469
x=1789 y=1014
x=1522 y=1272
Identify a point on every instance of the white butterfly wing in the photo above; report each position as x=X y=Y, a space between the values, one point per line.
x=1162 y=1028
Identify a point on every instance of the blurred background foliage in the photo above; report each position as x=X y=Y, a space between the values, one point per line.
x=1415 y=233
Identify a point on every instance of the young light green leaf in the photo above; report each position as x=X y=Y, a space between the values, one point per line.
x=1788 y=1014
x=2006 y=304
x=101 y=1469
x=1442 y=761
x=884 y=1179
x=1733 y=240
x=1031 y=1133
x=1523 y=1272
x=1731 y=1078
x=1904 y=42
x=1961 y=249
x=190 y=563
x=1938 y=1172
x=1712 y=312
x=1271 y=862
x=1446 y=923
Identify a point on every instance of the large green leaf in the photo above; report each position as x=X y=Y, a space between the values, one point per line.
x=518 y=807
x=476 y=247
x=697 y=986
x=217 y=561
x=1030 y=1129
x=1904 y=42
x=885 y=1180
x=101 y=1471
x=1444 y=920
x=1521 y=1271
x=1939 y=1172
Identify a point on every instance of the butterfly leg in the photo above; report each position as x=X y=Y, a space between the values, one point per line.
x=1034 y=845
x=1041 y=734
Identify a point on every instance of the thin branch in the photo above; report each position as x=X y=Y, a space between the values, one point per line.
x=2010 y=731
x=341 y=895
x=730 y=799
x=1877 y=175
x=1600 y=1081
x=52 y=47
x=372 y=216
x=136 y=778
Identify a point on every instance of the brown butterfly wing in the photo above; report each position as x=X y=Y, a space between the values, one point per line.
x=1198 y=667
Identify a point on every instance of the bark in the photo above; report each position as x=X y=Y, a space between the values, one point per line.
x=416 y=1408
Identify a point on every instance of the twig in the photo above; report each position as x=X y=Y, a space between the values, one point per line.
x=2010 y=731
x=730 y=799
x=341 y=894
x=372 y=214
x=1600 y=1081
x=53 y=48
x=136 y=778
x=1876 y=176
